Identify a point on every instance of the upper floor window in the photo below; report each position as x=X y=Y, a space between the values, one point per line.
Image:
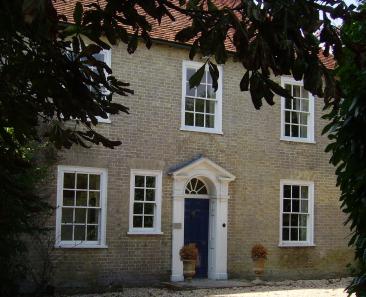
x=145 y=202
x=80 y=214
x=201 y=106
x=297 y=213
x=297 y=114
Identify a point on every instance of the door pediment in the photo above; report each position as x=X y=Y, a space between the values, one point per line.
x=202 y=166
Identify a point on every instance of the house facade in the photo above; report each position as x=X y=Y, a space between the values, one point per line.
x=198 y=166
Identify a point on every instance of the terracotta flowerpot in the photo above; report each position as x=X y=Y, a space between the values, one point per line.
x=189 y=269
x=258 y=267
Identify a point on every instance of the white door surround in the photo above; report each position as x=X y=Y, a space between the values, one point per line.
x=217 y=180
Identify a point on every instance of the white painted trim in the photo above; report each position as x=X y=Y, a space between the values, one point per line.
x=61 y=169
x=108 y=60
x=311 y=123
x=158 y=197
x=217 y=180
x=218 y=109
x=310 y=228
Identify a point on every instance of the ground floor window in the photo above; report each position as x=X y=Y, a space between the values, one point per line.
x=145 y=201
x=297 y=213
x=81 y=199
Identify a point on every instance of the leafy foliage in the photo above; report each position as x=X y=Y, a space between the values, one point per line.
x=51 y=82
x=346 y=131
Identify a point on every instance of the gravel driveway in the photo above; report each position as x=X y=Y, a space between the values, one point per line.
x=302 y=288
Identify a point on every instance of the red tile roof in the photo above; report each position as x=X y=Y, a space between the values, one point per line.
x=167 y=30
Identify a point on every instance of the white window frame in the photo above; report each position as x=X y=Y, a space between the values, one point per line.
x=310 y=132
x=310 y=225
x=218 y=107
x=158 y=199
x=61 y=169
x=108 y=60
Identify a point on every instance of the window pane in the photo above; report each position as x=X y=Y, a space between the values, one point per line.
x=150 y=195
x=294 y=234
x=66 y=232
x=149 y=208
x=302 y=235
x=305 y=105
x=137 y=208
x=94 y=199
x=296 y=104
x=189 y=119
x=303 y=220
x=67 y=215
x=287 y=130
x=210 y=106
x=80 y=215
x=189 y=91
x=286 y=220
x=304 y=192
x=294 y=117
x=94 y=182
x=294 y=220
x=200 y=105
x=210 y=121
x=211 y=92
x=303 y=131
x=295 y=131
x=189 y=104
x=296 y=91
x=139 y=194
x=150 y=181
x=288 y=88
x=93 y=215
x=201 y=91
x=304 y=206
x=287 y=191
x=295 y=205
x=303 y=118
x=304 y=93
x=285 y=234
x=79 y=233
x=287 y=116
x=287 y=205
x=92 y=233
x=69 y=180
x=68 y=199
x=288 y=102
x=139 y=181
x=295 y=191
x=209 y=78
x=137 y=221
x=81 y=198
x=82 y=181
x=148 y=222
x=199 y=120
x=190 y=72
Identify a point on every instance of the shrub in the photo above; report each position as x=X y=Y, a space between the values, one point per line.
x=259 y=252
x=189 y=252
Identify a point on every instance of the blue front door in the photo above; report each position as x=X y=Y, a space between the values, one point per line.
x=196 y=230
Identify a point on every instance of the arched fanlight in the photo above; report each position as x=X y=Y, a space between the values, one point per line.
x=196 y=186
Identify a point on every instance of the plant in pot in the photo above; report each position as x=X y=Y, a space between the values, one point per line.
x=188 y=254
x=259 y=255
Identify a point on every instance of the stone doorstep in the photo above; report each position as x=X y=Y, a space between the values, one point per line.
x=196 y=284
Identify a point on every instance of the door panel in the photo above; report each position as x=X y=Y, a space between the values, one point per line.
x=196 y=215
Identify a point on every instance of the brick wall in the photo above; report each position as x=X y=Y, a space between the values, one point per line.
x=250 y=148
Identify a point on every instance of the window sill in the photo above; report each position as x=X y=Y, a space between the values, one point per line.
x=295 y=245
x=298 y=140
x=144 y=233
x=80 y=246
x=201 y=130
